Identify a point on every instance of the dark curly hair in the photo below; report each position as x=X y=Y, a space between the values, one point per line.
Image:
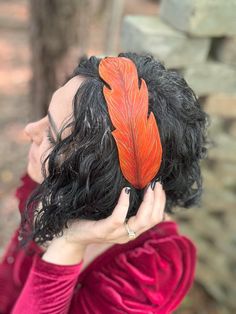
x=86 y=182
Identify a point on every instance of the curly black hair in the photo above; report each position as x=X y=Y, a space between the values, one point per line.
x=86 y=182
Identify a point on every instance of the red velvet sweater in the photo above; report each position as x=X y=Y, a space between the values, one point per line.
x=150 y=274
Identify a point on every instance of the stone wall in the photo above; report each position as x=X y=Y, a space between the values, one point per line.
x=198 y=39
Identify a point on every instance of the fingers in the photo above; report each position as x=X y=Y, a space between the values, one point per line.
x=120 y=211
x=159 y=204
x=150 y=211
x=149 y=214
x=142 y=218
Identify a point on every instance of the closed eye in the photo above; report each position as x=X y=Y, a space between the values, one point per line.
x=50 y=138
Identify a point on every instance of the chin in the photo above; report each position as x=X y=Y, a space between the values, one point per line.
x=33 y=174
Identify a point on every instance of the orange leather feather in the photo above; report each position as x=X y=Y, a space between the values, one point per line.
x=136 y=135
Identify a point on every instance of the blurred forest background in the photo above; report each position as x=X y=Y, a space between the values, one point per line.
x=40 y=44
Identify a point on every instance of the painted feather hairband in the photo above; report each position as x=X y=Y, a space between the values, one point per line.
x=136 y=135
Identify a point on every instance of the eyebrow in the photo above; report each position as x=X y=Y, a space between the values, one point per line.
x=52 y=123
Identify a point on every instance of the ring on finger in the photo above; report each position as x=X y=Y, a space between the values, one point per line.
x=131 y=233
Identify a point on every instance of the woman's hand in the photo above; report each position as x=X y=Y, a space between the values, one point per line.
x=112 y=229
x=70 y=247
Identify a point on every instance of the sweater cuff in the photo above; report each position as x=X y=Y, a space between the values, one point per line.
x=48 y=269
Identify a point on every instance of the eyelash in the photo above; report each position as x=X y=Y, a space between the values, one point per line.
x=50 y=138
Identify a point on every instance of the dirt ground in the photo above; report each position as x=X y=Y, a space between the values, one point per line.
x=15 y=75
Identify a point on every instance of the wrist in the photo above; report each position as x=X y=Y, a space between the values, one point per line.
x=61 y=252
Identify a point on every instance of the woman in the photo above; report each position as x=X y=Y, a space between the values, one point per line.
x=120 y=144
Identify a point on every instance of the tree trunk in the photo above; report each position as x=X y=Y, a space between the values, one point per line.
x=53 y=29
x=115 y=12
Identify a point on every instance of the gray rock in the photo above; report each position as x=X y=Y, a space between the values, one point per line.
x=212 y=226
x=148 y=34
x=211 y=77
x=224 y=50
x=213 y=231
x=216 y=124
x=201 y=17
x=232 y=129
x=225 y=149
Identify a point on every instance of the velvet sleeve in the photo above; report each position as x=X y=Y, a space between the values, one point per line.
x=146 y=279
x=149 y=275
x=48 y=289
x=9 y=287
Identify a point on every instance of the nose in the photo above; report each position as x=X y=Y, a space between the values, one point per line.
x=27 y=130
x=31 y=130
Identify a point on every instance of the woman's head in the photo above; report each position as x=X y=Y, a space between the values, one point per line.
x=81 y=172
x=44 y=133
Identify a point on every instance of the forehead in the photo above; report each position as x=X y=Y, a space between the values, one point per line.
x=61 y=103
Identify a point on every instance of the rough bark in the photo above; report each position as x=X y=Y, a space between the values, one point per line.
x=53 y=29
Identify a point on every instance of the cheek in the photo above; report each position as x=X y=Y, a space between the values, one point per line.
x=39 y=154
x=44 y=150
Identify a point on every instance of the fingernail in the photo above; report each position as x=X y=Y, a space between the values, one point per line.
x=159 y=180
x=127 y=190
x=153 y=185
